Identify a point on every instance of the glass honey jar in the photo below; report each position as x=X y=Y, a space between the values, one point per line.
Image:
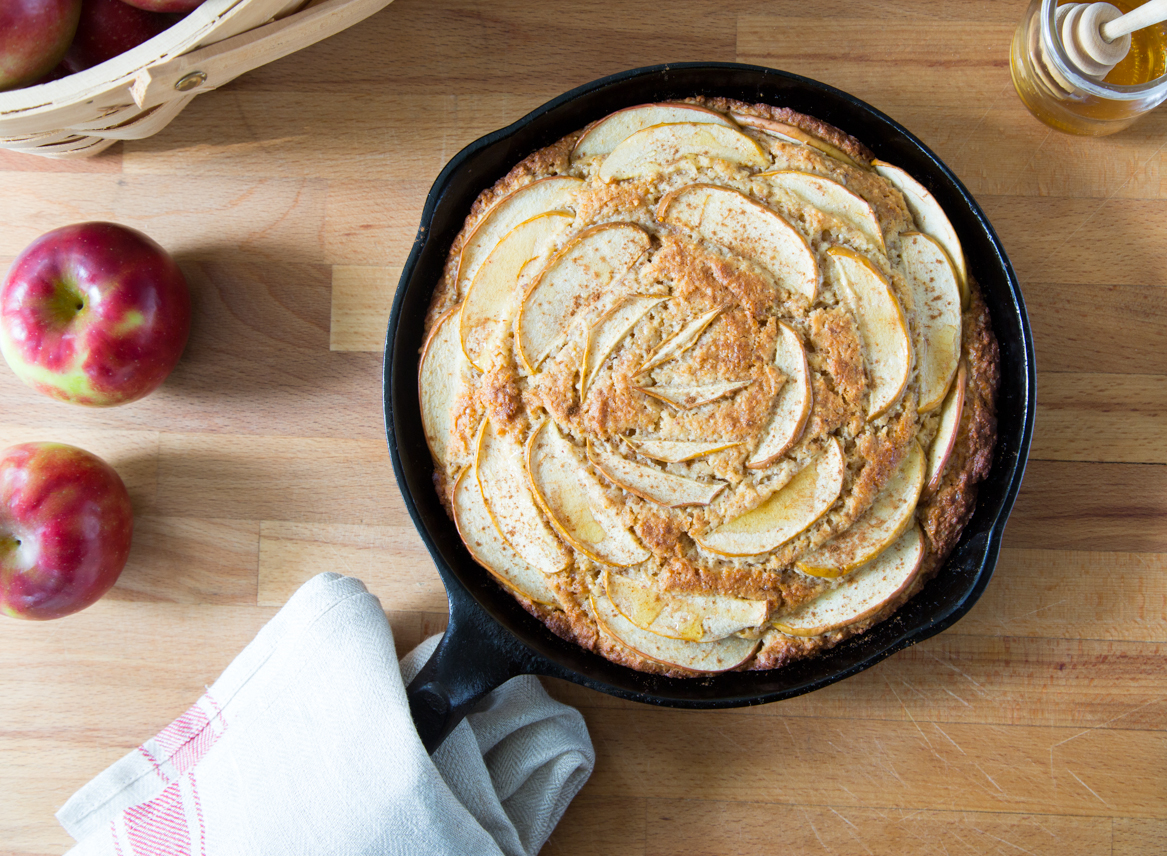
x=1059 y=94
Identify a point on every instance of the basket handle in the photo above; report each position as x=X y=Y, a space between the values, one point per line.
x=214 y=65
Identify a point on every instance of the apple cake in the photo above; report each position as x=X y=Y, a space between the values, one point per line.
x=708 y=387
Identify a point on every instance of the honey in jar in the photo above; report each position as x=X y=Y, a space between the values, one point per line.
x=1056 y=91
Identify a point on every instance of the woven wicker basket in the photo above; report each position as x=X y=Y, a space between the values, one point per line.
x=139 y=92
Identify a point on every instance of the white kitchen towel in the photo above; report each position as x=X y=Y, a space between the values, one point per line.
x=305 y=745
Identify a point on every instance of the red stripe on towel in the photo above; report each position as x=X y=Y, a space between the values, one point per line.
x=158 y=827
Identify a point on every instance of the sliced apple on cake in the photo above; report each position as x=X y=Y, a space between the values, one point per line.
x=887 y=346
x=792 y=405
x=492 y=297
x=555 y=193
x=690 y=396
x=793 y=134
x=649 y=151
x=786 y=513
x=679 y=451
x=717 y=656
x=861 y=594
x=823 y=194
x=605 y=135
x=945 y=440
x=652 y=484
x=607 y=334
x=751 y=230
x=489 y=549
x=681 y=341
x=578 y=277
x=574 y=502
x=892 y=512
x=442 y=376
x=502 y=477
x=937 y=298
x=693 y=617
x=930 y=218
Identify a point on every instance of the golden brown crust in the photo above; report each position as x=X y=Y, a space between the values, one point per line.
x=738 y=344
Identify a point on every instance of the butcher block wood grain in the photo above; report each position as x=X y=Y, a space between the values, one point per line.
x=291 y=197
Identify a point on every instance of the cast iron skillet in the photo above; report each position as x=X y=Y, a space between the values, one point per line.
x=491 y=638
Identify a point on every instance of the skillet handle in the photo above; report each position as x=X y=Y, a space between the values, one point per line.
x=473 y=658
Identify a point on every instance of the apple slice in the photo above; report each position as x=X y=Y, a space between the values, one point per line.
x=607 y=333
x=556 y=193
x=681 y=341
x=574 y=502
x=650 y=150
x=793 y=134
x=748 y=228
x=679 y=615
x=930 y=218
x=491 y=299
x=793 y=404
x=890 y=514
x=442 y=376
x=619 y=126
x=887 y=347
x=719 y=656
x=502 y=478
x=652 y=484
x=690 y=396
x=489 y=549
x=678 y=451
x=830 y=197
x=945 y=440
x=790 y=510
x=582 y=272
x=862 y=594
x=937 y=299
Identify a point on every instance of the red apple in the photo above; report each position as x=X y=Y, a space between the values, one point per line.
x=180 y=6
x=94 y=313
x=108 y=28
x=65 y=529
x=34 y=35
x=58 y=71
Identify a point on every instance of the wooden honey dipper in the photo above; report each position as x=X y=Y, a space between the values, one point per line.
x=1097 y=35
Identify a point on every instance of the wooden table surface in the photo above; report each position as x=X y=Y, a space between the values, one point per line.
x=291 y=197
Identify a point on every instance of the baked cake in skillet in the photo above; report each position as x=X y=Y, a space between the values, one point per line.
x=708 y=387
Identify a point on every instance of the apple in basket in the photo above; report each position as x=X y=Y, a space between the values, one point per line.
x=108 y=28
x=94 y=313
x=180 y=6
x=65 y=529
x=34 y=35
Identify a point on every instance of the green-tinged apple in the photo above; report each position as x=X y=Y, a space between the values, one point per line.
x=34 y=35
x=65 y=529
x=95 y=314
